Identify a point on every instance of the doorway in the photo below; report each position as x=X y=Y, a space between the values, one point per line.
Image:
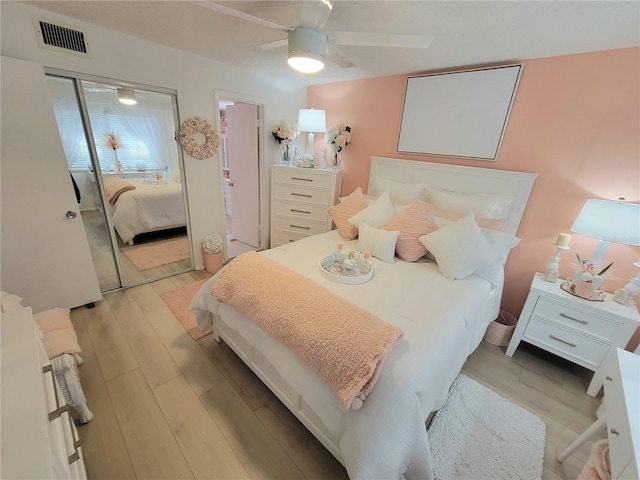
x=240 y=148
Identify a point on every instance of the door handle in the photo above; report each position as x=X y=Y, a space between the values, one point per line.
x=71 y=214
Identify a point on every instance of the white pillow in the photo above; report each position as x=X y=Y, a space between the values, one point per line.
x=9 y=302
x=501 y=242
x=460 y=248
x=494 y=274
x=400 y=193
x=381 y=243
x=376 y=215
x=482 y=205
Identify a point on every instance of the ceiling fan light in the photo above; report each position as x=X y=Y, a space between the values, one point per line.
x=305 y=62
x=127 y=96
x=307 y=48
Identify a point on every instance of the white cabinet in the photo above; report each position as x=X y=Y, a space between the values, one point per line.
x=39 y=439
x=582 y=331
x=300 y=199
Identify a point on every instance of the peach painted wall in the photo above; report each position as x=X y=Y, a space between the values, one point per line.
x=575 y=122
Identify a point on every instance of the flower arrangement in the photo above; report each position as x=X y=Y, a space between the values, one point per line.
x=212 y=244
x=284 y=131
x=588 y=267
x=338 y=137
x=111 y=140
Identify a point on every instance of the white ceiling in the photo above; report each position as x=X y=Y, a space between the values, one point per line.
x=465 y=33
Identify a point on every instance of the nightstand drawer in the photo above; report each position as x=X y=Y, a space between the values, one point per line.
x=566 y=343
x=302 y=194
x=299 y=225
x=307 y=211
x=576 y=319
x=304 y=178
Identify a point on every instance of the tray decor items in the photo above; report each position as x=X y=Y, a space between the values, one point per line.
x=586 y=283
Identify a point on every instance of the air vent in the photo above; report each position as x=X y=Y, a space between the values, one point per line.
x=62 y=38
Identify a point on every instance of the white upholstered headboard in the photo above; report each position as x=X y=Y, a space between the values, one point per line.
x=516 y=185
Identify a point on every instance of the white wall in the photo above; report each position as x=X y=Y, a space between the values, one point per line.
x=127 y=58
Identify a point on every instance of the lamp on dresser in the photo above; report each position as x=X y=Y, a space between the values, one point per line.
x=311 y=121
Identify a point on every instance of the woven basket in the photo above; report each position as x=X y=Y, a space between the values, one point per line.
x=501 y=329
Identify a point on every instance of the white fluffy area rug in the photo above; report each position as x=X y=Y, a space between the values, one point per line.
x=478 y=435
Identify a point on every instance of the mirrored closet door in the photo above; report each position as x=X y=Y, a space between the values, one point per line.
x=125 y=165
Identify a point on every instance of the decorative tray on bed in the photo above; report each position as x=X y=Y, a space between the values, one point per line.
x=354 y=272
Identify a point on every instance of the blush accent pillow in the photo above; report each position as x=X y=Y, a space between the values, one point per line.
x=59 y=335
x=459 y=248
x=343 y=211
x=482 y=205
x=413 y=223
x=400 y=193
x=377 y=214
x=381 y=243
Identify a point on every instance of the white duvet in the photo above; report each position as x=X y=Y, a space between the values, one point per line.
x=150 y=207
x=443 y=322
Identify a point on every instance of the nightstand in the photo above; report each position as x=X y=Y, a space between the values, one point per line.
x=579 y=330
x=300 y=199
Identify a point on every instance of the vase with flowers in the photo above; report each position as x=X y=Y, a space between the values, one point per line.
x=112 y=140
x=284 y=133
x=337 y=138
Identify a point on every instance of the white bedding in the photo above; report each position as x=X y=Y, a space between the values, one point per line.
x=150 y=207
x=443 y=322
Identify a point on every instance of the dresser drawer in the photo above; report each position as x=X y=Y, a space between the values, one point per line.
x=301 y=194
x=282 y=237
x=577 y=319
x=568 y=344
x=299 y=225
x=304 y=178
x=619 y=435
x=307 y=211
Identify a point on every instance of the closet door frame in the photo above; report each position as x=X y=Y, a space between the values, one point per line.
x=77 y=79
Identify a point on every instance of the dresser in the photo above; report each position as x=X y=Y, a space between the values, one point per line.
x=581 y=331
x=621 y=418
x=39 y=439
x=300 y=198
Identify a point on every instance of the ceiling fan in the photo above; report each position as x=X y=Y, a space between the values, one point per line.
x=310 y=45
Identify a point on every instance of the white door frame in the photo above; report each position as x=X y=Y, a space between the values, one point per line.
x=262 y=173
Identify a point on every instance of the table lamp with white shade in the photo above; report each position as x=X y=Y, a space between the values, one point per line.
x=608 y=222
x=311 y=121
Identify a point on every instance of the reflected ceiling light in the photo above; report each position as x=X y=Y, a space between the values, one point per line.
x=127 y=96
x=307 y=48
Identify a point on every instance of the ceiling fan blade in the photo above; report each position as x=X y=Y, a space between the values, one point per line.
x=270 y=45
x=238 y=14
x=314 y=14
x=339 y=58
x=380 y=39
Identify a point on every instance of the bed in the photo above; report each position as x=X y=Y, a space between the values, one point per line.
x=443 y=321
x=141 y=206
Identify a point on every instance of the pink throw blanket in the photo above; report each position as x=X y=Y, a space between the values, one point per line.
x=342 y=342
x=116 y=186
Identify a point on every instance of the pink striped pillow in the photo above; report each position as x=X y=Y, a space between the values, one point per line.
x=343 y=211
x=414 y=222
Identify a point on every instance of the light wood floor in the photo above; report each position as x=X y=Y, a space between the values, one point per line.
x=166 y=406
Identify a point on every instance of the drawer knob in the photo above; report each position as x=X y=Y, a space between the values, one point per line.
x=583 y=322
x=609 y=378
x=299 y=226
x=615 y=432
x=299 y=211
x=302 y=179
x=301 y=195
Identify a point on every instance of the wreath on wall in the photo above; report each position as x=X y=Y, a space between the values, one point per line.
x=190 y=128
